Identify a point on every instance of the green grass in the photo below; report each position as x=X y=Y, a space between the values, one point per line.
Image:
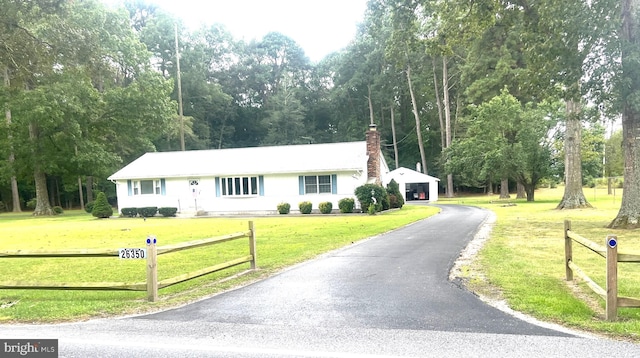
x=523 y=262
x=281 y=241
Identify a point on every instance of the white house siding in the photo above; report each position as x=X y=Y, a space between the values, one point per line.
x=277 y=188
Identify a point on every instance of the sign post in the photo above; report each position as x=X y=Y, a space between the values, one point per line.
x=152 y=269
x=612 y=278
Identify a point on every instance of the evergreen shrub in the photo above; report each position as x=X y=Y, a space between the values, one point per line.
x=148 y=211
x=129 y=212
x=101 y=208
x=325 y=207
x=346 y=205
x=284 y=208
x=167 y=211
x=305 y=207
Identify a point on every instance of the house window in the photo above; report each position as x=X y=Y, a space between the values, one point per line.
x=239 y=186
x=317 y=184
x=146 y=187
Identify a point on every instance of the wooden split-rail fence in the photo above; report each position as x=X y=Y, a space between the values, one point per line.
x=152 y=285
x=612 y=255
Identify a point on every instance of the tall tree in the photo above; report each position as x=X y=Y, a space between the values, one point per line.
x=629 y=91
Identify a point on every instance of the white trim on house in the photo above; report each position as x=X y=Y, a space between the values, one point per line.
x=260 y=177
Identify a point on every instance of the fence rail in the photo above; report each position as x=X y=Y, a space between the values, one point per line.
x=152 y=284
x=612 y=255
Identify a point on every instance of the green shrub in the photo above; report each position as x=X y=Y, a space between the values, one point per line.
x=101 y=208
x=305 y=207
x=346 y=205
x=57 y=210
x=394 y=191
x=3 y=207
x=284 y=208
x=88 y=207
x=129 y=212
x=148 y=211
x=325 y=207
x=372 y=210
x=366 y=193
x=31 y=204
x=166 y=212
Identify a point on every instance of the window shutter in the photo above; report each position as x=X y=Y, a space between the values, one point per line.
x=301 y=185
x=261 y=185
x=217 y=187
x=334 y=184
x=163 y=186
x=129 y=188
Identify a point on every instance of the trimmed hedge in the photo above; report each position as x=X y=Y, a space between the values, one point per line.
x=284 y=208
x=305 y=207
x=166 y=212
x=148 y=211
x=129 y=212
x=346 y=205
x=325 y=207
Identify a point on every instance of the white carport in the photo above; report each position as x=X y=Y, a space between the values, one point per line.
x=416 y=185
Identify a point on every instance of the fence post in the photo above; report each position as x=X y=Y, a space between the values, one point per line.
x=612 y=277
x=152 y=269
x=568 y=250
x=252 y=245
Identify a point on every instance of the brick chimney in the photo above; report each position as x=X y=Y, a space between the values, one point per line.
x=373 y=152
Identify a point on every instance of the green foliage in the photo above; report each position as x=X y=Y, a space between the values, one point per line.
x=88 y=207
x=31 y=203
x=305 y=207
x=346 y=205
x=147 y=212
x=101 y=208
x=396 y=199
x=325 y=207
x=57 y=210
x=168 y=211
x=368 y=192
x=129 y=212
x=3 y=206
x=284 y=208
x=373 y=209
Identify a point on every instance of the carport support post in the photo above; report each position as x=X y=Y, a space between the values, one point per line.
x=152 y=270
x=612 y=277
x=252 y=245
x=568 y=250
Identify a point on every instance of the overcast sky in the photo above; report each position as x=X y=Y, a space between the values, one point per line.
x=318 y=26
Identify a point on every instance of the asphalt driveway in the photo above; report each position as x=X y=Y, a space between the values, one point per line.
x=388 y=296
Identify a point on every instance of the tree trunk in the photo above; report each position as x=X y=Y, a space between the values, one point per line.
x=418 y=125
x=371 y=121
x=15 y=194
x=504 y=188
x=43 y=207
x=520 y=190
x=573 y=195
x=447 y=119
x=90 y=189
x=80 y=193
x=393 y=133
x=629 y=213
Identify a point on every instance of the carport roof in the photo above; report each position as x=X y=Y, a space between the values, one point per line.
x=411 y=176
